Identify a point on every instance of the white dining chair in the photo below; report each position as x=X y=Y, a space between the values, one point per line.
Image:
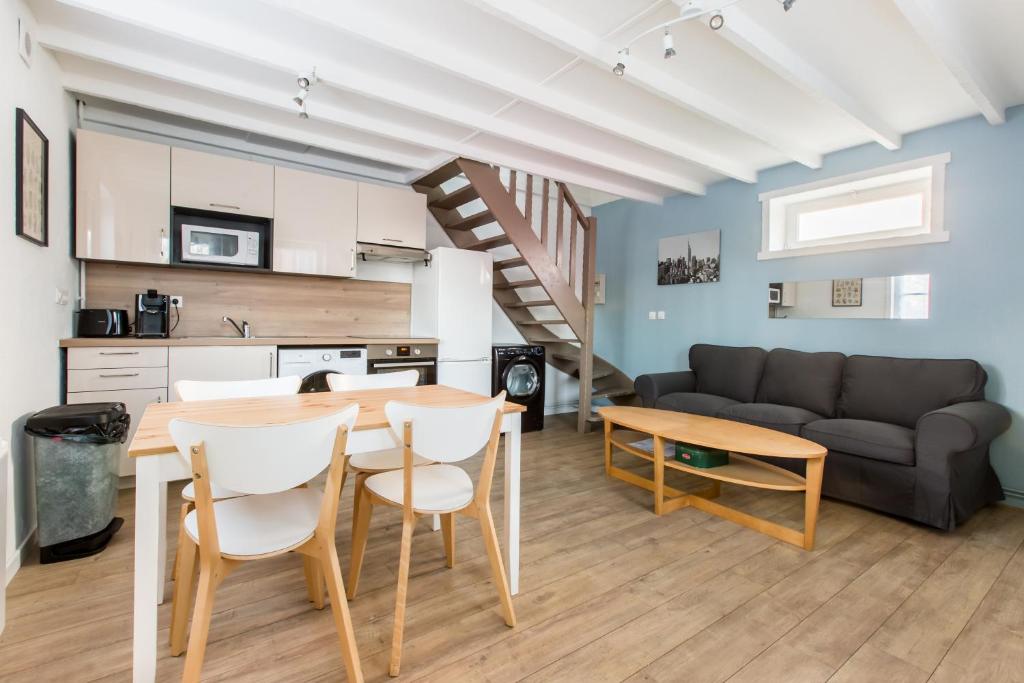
x=362 y=465
x=444 y=436
x=191 y=390
x=276 y=515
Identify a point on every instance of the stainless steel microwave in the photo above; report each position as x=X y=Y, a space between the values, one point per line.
x=221 y=246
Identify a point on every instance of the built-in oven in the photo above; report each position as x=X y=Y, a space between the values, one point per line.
x=381 y=358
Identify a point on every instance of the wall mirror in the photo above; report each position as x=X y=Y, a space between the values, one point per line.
x=900 y=297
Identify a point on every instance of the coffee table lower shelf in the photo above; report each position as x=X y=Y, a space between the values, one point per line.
x=742 y=470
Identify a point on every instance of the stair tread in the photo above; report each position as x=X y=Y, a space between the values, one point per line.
x=455 y=199
x=490 y=243
x=518 y=283
x=611 y=393
x=529 y=304
x=558 y=321
x=440 y=175
x=510 y=263
x=469 y=222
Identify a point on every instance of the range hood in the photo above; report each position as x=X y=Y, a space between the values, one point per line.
x=379 y=252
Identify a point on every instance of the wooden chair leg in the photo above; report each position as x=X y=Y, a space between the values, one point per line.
x=365 y=511
x=186 y=508
x=448 y=530
x=357 y=499
x=497 y=566
x=201 y=616
x=408 y=524
x=182 y=600
x=314 y=581
x=331 y=568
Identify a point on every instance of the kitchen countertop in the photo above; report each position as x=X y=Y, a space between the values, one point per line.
x=87 y=342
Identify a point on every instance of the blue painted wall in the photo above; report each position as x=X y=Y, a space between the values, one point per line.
x=977 y=278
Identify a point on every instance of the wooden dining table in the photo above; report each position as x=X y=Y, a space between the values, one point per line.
x=157 y=462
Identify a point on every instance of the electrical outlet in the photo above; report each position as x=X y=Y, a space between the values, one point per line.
x=651 y=315
x=661 y=315
x=177 y=301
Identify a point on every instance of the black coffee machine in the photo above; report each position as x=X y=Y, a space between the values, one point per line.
x=152 y=315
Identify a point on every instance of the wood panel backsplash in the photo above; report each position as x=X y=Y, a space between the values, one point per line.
x=275 y=305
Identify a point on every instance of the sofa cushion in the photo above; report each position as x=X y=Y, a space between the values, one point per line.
x=692 y=402
x=901 y=390
x=866 y=438
x=770 y=415
x=730 y=371
x=806 y=380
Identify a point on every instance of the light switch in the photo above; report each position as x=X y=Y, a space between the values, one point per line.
x=651 y=315
x=62 y=297
x=661 y=315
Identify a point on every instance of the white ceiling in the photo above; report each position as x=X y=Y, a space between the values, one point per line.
x=528 y=84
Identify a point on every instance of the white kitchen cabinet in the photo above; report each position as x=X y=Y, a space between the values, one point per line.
x=122 y=202
x=314 y=223
x=220 y=364
x=392 y=216
x=219 y=183
x=135 y=401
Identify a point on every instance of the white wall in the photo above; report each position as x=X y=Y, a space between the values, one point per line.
x=29 y=274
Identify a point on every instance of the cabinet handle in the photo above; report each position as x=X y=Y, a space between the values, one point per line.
x=119 y=353
x=271 y=363
x=389 y=239
x=124 y=374
x=159 y=399
x=163 y=243
x=226 y=206
x=353 y=260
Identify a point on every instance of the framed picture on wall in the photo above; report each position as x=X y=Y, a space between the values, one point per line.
x=847 y=292
x=692 y=258
x=31 y=180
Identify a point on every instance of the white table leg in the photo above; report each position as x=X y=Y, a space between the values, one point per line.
x=435 y=523
x=161 y=578
x=147 y=560
x=511 y=530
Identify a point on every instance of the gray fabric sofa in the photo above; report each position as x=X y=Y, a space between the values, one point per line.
x=909 y=437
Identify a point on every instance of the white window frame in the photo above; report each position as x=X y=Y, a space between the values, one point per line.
x=779 y=220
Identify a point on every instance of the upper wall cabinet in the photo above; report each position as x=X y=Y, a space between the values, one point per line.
x=218 y=183
x=392 y=216
x=314 y=223
x=122 y=203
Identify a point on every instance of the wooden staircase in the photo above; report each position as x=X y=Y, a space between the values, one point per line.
x=544 y=264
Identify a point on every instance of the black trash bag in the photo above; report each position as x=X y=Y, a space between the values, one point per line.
x=82 y=423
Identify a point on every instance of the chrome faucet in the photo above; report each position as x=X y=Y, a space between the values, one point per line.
x=244 y=330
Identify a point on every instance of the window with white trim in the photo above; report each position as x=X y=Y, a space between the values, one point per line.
x=888 y=207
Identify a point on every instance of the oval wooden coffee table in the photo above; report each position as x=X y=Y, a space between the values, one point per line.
x=624 y=425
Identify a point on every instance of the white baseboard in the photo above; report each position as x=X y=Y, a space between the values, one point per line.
x=559 y=408
x=1014 y=497
x=14 y=563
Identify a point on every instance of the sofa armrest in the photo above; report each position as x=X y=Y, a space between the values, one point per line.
x=961 y=426
x=650 y=387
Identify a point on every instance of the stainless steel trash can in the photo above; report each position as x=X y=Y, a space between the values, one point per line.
x=75 y=450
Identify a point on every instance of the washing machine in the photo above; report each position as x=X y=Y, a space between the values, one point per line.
x=314 y=364
x=519 y=371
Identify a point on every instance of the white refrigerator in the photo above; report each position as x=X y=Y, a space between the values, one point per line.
x=451 y=300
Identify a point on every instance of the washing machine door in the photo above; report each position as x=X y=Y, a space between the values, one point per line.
x=315 y=382
x=520 y=380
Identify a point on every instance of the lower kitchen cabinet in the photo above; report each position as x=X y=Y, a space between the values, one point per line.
x=135 y=401
x=220 y=363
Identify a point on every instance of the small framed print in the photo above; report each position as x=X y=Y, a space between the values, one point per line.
x=31 y=180
x=847 y=292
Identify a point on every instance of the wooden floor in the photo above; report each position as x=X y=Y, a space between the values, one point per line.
x=609 y=593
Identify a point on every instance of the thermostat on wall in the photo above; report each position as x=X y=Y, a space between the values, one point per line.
x=25 y=42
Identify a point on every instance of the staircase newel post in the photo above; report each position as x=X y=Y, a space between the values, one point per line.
x=587 y=343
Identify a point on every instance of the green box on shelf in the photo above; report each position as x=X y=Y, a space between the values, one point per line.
x=699 y=456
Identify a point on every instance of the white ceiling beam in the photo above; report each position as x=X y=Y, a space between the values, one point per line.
x=202 y=80
x=85 y=84
x=263 y=50
x=742 y=31
x=539 y=21
x=941 y=31
x=357 y=20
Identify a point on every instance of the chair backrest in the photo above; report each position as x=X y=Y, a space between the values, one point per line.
x=265 y=458
x=193 y=390
x=387 y=380
x=445 y=434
